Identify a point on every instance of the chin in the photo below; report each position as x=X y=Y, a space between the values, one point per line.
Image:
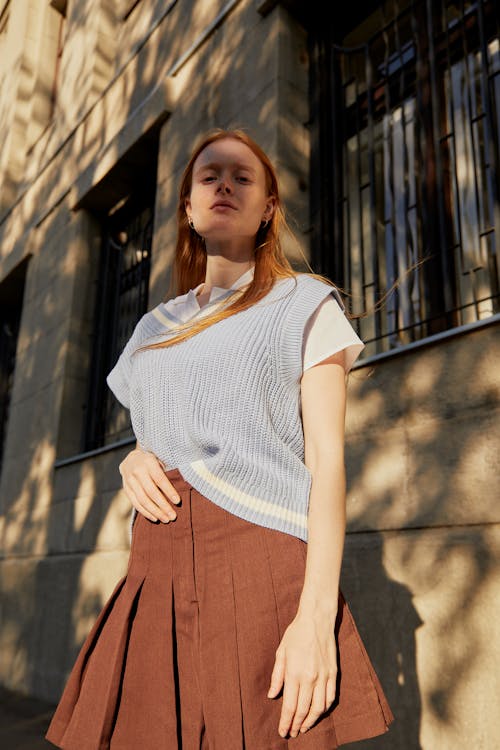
x=227 y=232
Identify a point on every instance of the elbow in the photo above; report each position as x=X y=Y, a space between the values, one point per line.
x=325 y=460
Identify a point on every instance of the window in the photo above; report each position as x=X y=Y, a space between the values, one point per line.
x=408 y=157
x=124 y=205
x=11 y=302
x=122 y=299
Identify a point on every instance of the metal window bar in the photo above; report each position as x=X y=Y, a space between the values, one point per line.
x=418 y=159
x=122 y=299
x=8 y=343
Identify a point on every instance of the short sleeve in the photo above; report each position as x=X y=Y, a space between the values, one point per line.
x=327 y=332
x=118 y=379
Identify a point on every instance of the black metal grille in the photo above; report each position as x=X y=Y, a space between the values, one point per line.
x=9 y=329
x=11 y=307
x=412 y=114
x=121 y=300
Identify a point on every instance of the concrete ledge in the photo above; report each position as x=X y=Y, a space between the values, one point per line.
x=23 y=721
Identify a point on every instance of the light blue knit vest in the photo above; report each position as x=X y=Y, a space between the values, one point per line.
x=224 y=406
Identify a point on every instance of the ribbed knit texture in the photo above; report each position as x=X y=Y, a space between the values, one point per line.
x=224 y=406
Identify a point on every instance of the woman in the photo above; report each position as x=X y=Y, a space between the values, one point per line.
x=229 y=630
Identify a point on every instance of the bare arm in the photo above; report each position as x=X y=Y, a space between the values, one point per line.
x=323 y=418
x=306 y=659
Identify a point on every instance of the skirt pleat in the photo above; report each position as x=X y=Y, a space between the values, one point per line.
x=85 y=715
x=361 y=708
x=182 y=653
x=277 y=562
x=217 y=645
x=81 y=722
x=146 y=714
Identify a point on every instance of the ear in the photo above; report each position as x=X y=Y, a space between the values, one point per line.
x=270 y=208
x=187 y=205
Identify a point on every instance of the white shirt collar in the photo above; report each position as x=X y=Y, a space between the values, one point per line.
x=216 y=291
x=243 y=279
x=186 y=306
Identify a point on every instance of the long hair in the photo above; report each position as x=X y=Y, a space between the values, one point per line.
x=190 y=260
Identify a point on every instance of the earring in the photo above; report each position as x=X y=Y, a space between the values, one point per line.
x=264 y=223
x=191 y=224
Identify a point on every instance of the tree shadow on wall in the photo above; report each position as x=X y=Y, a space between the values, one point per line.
x=387 y=621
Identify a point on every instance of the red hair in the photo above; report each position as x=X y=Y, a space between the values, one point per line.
x=190 y=258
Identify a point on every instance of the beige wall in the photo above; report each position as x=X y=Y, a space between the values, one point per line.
x=421 y=561
x=422 y=548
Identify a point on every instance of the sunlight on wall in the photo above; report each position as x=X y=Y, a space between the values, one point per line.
x=25 y=522
x=99 y=575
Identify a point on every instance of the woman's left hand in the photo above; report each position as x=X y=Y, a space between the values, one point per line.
x=306 y=663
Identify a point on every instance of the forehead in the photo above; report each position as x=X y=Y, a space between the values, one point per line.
x=228 y=152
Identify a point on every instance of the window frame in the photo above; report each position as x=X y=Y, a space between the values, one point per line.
x=437 y=277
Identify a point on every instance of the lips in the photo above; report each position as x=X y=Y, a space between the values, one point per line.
x=223 y=204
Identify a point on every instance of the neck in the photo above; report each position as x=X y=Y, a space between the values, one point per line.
x=223 y=272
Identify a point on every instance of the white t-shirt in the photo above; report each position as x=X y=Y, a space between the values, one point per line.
x=327 y=332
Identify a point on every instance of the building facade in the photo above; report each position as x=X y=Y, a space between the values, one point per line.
x=384 y=126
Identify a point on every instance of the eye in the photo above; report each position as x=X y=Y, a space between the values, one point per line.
x=242 y=178
x=208 y=178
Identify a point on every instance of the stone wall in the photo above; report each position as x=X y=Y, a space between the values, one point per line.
x=422 y=552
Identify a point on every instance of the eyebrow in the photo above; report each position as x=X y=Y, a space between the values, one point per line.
x=214 y=165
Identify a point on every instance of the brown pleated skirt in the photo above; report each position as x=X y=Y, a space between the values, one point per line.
x=182 y=653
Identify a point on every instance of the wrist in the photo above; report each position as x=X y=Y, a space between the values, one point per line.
x=316 y=606
x=139 y=449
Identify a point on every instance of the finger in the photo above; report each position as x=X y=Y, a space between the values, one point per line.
x=318 y=707
x=136 y=504
x=152 y=492
x=152 y=478
x=147 y=492
x=303 y=706
x=166 y=487
x=277 y=676
x=148 y=464
x=143 y=502
x=290 y=697
x=331 y=690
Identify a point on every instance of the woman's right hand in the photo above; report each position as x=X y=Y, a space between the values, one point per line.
x=147 y=487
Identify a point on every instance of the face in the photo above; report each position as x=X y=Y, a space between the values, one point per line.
x=228 y=197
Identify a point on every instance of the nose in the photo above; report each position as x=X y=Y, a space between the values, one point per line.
x=223 y=186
